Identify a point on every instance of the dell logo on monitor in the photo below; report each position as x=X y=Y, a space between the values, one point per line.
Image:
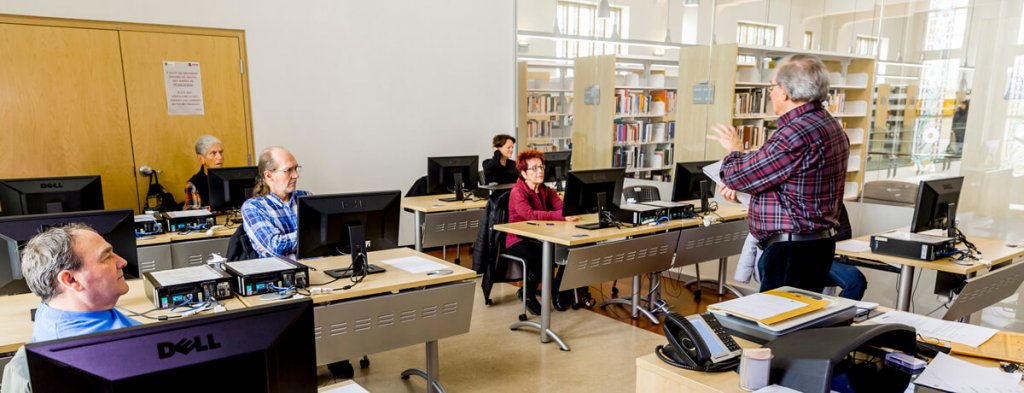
x=51 y=185
x=186 y=346
x=352 y=204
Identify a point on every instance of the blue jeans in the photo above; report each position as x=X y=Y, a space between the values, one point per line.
x=850 y=279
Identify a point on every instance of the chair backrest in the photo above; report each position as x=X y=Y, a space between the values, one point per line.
x=641 y=193
x=483 y=179
x=239 y=246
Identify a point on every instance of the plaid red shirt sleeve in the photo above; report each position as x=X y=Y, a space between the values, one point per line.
x=796 y=179
x=192 y=200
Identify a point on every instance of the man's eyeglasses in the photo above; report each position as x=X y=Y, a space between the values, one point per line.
x=772 y=87
x=294 y=170
x=536 y=168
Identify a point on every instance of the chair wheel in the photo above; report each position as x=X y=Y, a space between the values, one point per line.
x=615 y=291
x=364 y=362
x=575 y=306
x=522 y=317
x=457 y=261
x=487 y=302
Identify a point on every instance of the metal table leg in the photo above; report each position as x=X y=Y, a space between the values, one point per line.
x=546 y=334
x=906 y=284
x=431 y=375
x=723 y=265
x=633 y=302
x=419 y=230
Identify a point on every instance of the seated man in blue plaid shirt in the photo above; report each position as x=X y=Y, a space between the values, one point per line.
x=270 y=215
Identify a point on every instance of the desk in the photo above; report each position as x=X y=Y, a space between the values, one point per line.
x=602 y=255
x=17 y=327
x=443 y=223
x=389 y=310
x=992 y=252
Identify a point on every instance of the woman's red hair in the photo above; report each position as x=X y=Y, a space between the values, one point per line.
x=527 y=154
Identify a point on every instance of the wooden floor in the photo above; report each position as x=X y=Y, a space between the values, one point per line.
x=680 y=299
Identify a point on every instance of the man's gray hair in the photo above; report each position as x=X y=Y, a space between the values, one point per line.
x=204 y=143
x=804 y=77
x=47 y=254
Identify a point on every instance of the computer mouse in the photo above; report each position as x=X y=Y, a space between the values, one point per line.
x=209 y=232
x=440 y=272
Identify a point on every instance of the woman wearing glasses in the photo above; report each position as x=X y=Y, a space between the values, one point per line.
x=532 y=200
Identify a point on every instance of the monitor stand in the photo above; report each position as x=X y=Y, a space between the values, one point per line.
x=558 y=179
x=360 y=264
x=704 y=191
x=460 y=194
x=603 y=221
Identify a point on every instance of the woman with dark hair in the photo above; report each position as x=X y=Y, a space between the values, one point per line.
x=500 y=168
x=529 y=200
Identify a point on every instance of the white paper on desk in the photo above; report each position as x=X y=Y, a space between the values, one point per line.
x=776 y=389
x=929 y=327
x=713 y=170
x=759 y=306
x=414 y=264
x=350 y=388
x=950 y=374
x=853 y=246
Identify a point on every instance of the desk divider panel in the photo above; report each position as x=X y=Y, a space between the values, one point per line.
x=448 y=228
x=717 y=241
x=619 y=259
x=349 y=329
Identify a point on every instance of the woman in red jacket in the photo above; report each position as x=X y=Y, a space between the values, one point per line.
x=529 y=200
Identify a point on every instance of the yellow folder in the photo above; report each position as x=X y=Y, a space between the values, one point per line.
x=810 y=304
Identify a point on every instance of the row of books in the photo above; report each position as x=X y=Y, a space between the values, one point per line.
x=753 y=102
x=753 y=136
x=540 y=128
x=836 y=102
x=544 y=103
x=642 y=132
x=644 y=102
x=630 y=157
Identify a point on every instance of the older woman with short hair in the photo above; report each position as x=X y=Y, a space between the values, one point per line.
x=210 y=154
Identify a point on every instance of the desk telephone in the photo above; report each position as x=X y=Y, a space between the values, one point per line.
x=699 y=343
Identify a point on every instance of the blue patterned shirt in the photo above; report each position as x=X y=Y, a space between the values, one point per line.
x=271 y=224
x=52 y=324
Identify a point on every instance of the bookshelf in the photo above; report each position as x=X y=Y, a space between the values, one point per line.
x=545 y=108
x=895 y=114
x=632 y=123
x=741 y=99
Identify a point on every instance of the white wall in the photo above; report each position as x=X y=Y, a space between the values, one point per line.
x=361 y=91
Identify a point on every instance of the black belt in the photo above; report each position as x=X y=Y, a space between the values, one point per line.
x=796 y=237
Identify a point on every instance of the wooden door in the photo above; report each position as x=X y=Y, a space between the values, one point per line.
x=166 y=142
x=62 y=106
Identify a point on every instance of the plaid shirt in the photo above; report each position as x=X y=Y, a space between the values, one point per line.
x=192 y=199
x=271 y=224
x=796 y=179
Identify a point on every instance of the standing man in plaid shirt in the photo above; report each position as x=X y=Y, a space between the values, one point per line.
x=270 y=216
x=795 y=180
x=210 y=154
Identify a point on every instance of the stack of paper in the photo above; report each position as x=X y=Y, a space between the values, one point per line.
x=770 y=307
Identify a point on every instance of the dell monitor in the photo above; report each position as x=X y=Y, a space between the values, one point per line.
x=594 y=191
x=50 y=195
x=452 y=174
x=936 y=205
x=557 y=165
x=116 y=226
x=267 y=348
x=691 y=183
x=351 y=224
x=230 y=187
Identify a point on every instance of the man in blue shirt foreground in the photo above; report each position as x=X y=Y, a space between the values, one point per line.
x=78 y=277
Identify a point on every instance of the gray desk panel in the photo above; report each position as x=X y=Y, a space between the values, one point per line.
x=154 y=258
x=618 y=259
x=448 y=228
x=717 y=241
x=196 y=252
x=352 y=328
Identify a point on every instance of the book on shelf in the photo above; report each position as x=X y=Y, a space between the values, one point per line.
x=627 y=131
x=753 y=137
x=543 y=103
x=753 y=101
x=644 y=102
x=836 y=102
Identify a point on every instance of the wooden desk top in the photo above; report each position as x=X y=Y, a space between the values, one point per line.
x=433 y=204
x=567 y=234
x=393 y=280
x=16 y=328
x=166 y=238
x=992 y=252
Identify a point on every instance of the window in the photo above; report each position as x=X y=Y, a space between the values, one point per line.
x=866 y=45
x=580 y=19
x=758 y=34
x=809 y=40
x=947 y=23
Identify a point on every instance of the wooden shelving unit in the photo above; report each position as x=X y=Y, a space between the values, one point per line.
x=545 y=109
x=895 y=114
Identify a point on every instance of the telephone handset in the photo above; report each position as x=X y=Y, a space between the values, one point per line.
x=698 y=342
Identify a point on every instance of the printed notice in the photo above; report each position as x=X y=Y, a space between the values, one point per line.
x=184 y=86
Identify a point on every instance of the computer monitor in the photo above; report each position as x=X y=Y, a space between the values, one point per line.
x=593 y=191
x=557 y=165
x=50 y=195
x=936 y=205
x=266 y=348
x=116 y=226
x=452 y=174
x=230 y=187
x=351 y=224
x=688 y=183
